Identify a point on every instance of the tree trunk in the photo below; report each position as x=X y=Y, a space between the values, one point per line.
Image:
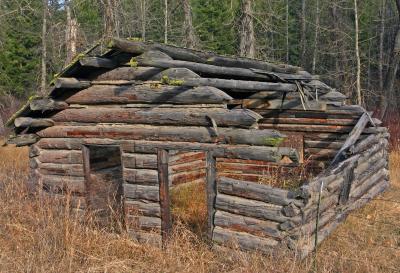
x=317 y=18
x=381 y=43
x=287 y=31
x=70 y=35
x=247 y=39
x=303 y=33
x=392 y=70
x=189 y=32
x=357 y=49
x=143 y=18
x=166 y=21
x=44 y=49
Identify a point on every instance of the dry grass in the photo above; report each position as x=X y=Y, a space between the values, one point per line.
x=41 y=236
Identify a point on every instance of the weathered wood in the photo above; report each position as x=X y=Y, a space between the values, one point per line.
x=249 y=225
x=98 y=94
x=141 y=176
x=33 y=122
x=315 y=121
x=139 y=161
x=318 y=153
x=185 y=177
x=129 y=74
x=185 y=167
x=149 y=238
x=307 y=128
x=97 y=62
x=278 y=104
x=61 y=169
x=211 y=175
x=34 y=150
x=71 y=83
x=364 y=144
x=240 y=85
x=166 y=133
x=244 y=240
x=368 y=183
x=47 y=104
x=256 y=191
x=60 y=156
x=23 y=139
x=223 y=117
x=323 y=144
x=142 y=207
x=168 y=75
x=308 y=229
x=166 y=221
x=135 y=192
x=63 y=184
x=353 y=137
x=143 y=222
x=250 y=208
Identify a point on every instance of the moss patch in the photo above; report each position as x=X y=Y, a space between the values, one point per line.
x=273 y=141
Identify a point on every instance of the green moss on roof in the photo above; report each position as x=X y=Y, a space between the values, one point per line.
x=24 y=108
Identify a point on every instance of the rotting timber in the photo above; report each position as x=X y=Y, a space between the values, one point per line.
x=249 y=119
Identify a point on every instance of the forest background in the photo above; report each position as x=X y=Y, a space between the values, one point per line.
x=350 y=43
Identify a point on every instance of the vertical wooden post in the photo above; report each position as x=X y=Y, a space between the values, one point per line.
x=86 y=171
x=162 y=164
x=211 y=192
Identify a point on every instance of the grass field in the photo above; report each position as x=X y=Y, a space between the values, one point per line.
x=41 y=236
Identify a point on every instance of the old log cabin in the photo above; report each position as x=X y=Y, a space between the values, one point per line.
x=273 y=147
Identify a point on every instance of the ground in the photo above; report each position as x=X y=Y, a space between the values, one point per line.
x=39 y=236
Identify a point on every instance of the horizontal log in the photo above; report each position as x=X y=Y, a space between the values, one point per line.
x=278 y=104
x=250 y=208
x=335 y=145
x=223 y=117
x=150 y=238
x=185 y=167
x=247 y=224
x=47 y=104
x=308 y=229
x=184 y=157
x=141 y=176
x=97 y=62
x=146 y=93
x=135 y=192
x=166 y=133
x=309 y=114
x=240 y=85
x=60 y=184
x=185 y=177
x=142 y=207
x=364 y=169
x=60 y=156
x=316 y=121
x=308 y=128
x=363 y=144
x=244 y=240
x=139 y=161
x=318 y=153
x=71 y=83
x=143 y=222
x=137 y=47
x=129 y=74
x=364 y=186
x=23 y=139
x=61 y=169
x=33 y=122
x=255 y=191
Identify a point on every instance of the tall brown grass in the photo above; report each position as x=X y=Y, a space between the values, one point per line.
x=42 y=236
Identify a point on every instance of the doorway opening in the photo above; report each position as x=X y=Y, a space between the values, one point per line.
x=188 y=191
x=103 y=177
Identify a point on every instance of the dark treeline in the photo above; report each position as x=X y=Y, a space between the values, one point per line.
x=350 y=43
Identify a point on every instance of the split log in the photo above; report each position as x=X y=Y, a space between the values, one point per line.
x=71 y=83
x=258 y=192
x=47 y=104
x=33 y=122
x=164 y=116
x=59 y=184
x=61 y=156
x=23 y=140
x=247 y=224
x=353 y=137
x=240 y=85
x=129 y=74
x=142 y=207
x=167 y=133
x=143 y=222
x=145 y=93
x=141 y=176
x=139 y=161
x=250 y=208
x=61 y=169
x=150 y=238
x=136 y=192
x=244 y=240
x=97 y=62
x=278 y=104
